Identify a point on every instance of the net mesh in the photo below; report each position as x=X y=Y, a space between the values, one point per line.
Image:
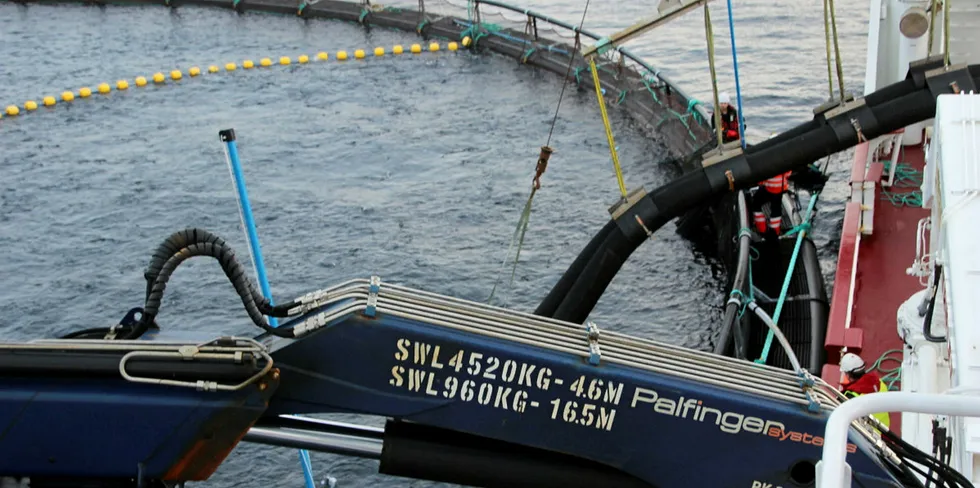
x=681 y=122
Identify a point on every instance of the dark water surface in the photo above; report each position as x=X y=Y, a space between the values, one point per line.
x=413 y=168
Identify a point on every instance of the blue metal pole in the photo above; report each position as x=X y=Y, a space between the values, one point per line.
x=738 y=88
x=255 y=251
x=245 y=209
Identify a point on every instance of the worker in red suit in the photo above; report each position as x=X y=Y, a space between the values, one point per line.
x=729 y=119
x=856 y=381
x=770 y=191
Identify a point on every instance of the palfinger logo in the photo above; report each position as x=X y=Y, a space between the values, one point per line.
x=802 y=437
x=727 y=422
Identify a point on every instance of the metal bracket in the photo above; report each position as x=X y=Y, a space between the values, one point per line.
x=112 y=332
x=372 y=301
x=595 y=355
x=833 y=103
x=602 y=46
x=952 y=79
x=919 y=68
x=806 y=382
x=726 y=176
x=845 y=107
x=626 y=213
x=725 y=151
x=852 y=118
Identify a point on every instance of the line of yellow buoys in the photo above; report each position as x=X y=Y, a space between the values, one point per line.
x=194 y=71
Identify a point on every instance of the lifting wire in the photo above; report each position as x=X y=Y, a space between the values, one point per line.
x=709 y=36
x=934 y=5
x=946 y=32
x=829 y=10
x=826 y=33
x=542 y=165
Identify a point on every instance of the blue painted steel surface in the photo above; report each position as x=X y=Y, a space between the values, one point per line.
x=80 y=427
x=654 y=426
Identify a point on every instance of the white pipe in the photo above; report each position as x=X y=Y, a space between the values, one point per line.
x=831 y=468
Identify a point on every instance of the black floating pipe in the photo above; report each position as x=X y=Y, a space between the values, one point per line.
x=430 y=453
x=884 y=111
x=553 y=300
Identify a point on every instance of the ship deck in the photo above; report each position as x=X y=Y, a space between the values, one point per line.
x=871 y=281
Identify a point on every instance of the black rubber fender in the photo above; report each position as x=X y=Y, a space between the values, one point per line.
x=888 y=109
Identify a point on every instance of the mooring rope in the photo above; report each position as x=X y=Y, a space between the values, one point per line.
x=802 y=229
x=738 y=88
x=607 y=125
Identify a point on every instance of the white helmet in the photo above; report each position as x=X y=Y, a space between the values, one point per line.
x=724 y=98
x=851 y=363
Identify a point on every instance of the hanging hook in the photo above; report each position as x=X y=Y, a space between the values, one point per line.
x=542 y=165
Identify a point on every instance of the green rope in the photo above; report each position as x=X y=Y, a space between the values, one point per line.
x=650 y=89
x=477 y=31
x=519 y=233
x=691 y=105
x=803 y=227
x=892 y=375
x=905 y=175
x=789 y=274
x=364 y=13
x=905 y=199
x=527 y=55
x=580 y=69
x=622 y=96
x=745 y=300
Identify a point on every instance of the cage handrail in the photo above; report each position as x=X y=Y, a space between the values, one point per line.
x=621 y=50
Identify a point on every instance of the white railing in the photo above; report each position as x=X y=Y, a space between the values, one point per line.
x=833 y=470
x=882 y=146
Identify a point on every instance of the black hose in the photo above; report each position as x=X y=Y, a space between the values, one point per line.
x=906 y=451
x=927 y=322
x=738 y=283
x=180 y=240
x=797 y=148
x=557 y=294
x=189 y=243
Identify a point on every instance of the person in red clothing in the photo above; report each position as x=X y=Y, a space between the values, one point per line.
x=856 y=381
x=770 y=191
x=729 y=119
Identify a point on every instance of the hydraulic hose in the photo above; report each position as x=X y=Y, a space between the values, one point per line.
x=741 y=277
x=172 y=246
x=927 y=322
x=189 y=243
x=882 y=112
